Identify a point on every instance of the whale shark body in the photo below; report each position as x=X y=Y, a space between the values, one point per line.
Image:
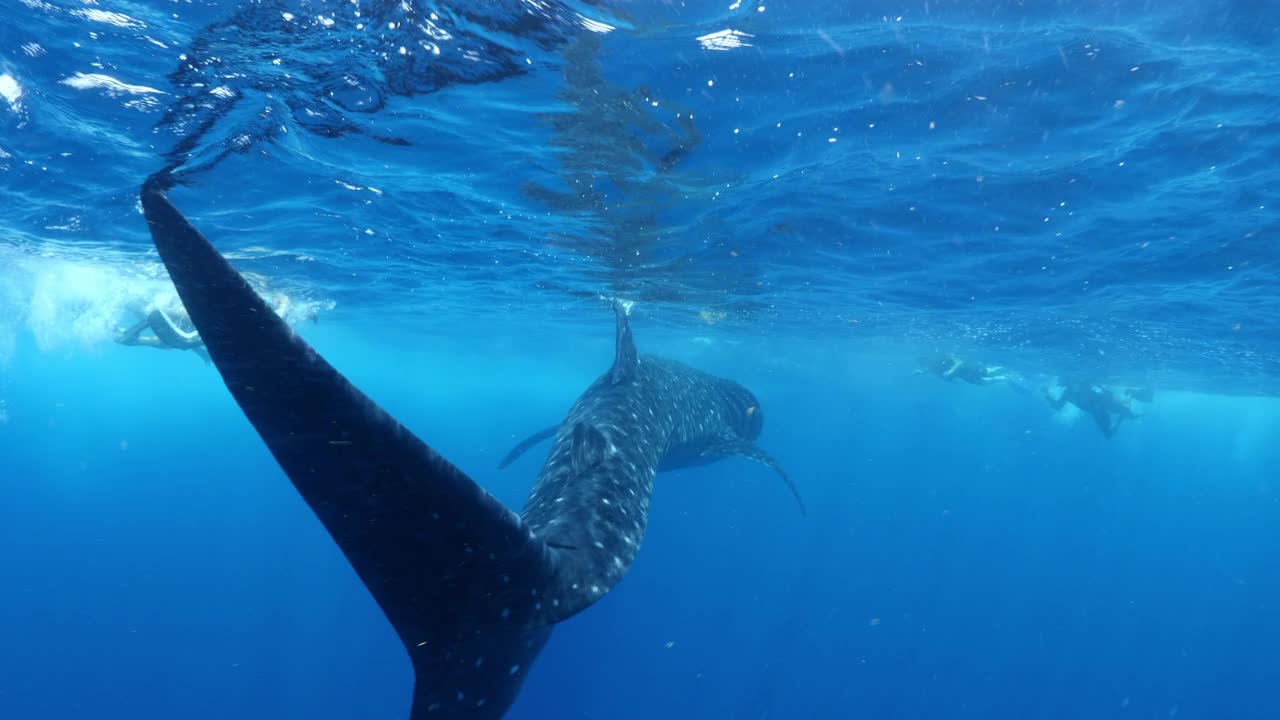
x=471 y=588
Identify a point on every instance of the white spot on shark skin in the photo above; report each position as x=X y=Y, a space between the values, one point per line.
x=595 y=589
x=514 y=669
x=506 y=613
x=599 y=544
x=479 y=661
x=481 y=702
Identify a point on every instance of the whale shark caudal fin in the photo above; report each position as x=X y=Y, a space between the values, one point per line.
x=455 y=572
x=524 y=445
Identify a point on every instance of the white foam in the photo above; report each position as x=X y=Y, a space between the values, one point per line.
x=110 y=18
x=67 y=301
x=112 y=86
x=725 y=40
x=75 y=303
x=595 y=26
x=10 y=90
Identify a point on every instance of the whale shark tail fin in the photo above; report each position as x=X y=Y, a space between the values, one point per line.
x=524 y=445
x=626 y=361
x=455 y=572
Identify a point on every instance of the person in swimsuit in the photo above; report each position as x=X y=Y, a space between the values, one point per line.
x=175 y=332
x=950 y=367
x=1108 y=407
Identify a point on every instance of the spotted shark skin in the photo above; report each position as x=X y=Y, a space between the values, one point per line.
x=727 y=443
x=471 y=588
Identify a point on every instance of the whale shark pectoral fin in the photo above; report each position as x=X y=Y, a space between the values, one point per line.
x=626 y=361
x=589 y=448
x=734 y=446
x=764 y=458
x=454 y=571
x=523 y=446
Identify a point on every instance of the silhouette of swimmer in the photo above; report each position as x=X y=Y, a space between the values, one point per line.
x=1107 y=406
x=166 y=334
x=175 y=332
x=950 y=367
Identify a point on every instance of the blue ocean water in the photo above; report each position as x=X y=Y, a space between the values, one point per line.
x=805 y=197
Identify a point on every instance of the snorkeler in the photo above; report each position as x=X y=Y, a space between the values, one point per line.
x=1106 y=406
x=168 y=333
x=950 y=367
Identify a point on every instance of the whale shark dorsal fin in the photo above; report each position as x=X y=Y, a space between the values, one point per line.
x=445 y=561
x=589 y=448
x=626 y=360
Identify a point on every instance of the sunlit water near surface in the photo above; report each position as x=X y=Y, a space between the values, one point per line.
x=806 y=197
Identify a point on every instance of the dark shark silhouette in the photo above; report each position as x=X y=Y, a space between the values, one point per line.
x=471 y=588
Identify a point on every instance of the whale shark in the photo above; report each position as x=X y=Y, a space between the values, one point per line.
x=726 y=444
x=471 y=588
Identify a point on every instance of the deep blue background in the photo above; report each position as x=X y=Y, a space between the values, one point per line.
x=967 y=555
x=1051 y=186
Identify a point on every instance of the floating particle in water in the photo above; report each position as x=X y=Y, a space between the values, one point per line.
x=711 y=317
